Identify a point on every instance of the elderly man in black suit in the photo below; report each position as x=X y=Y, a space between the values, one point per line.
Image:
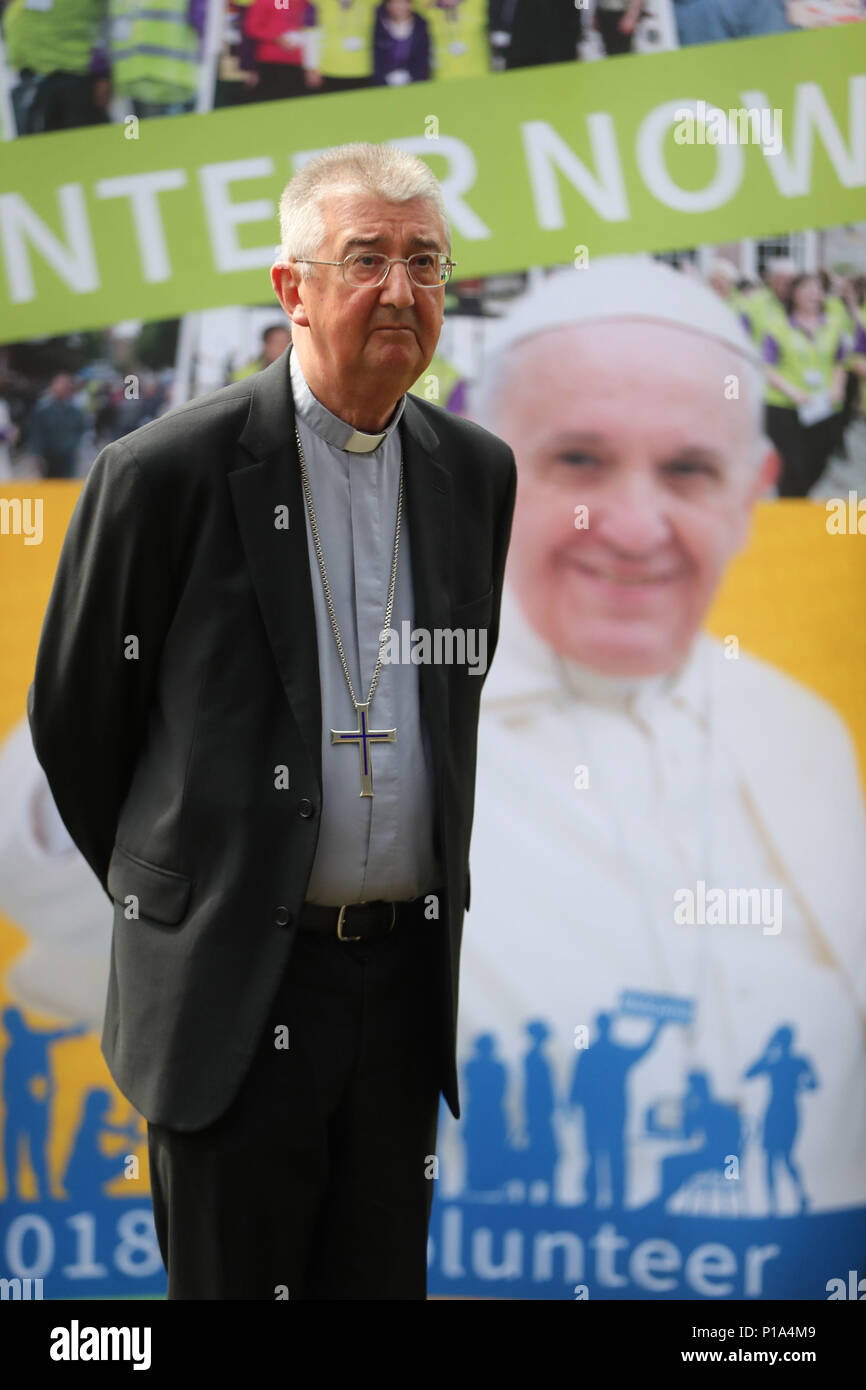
x=278 y=804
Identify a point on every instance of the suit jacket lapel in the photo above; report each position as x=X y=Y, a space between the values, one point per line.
x=428 y=507
x=279 y=559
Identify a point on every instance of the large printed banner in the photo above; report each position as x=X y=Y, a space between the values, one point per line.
x=633 y=1126
x=169 y=216
x=663 y=980
x=659 y=1103
x=75 y=1210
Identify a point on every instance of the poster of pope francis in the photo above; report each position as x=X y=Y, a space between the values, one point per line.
x=662 y=1007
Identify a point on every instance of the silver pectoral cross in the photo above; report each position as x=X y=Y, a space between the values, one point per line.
x=364 y=736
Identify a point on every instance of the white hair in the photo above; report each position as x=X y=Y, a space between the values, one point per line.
x=630 y=288
x=781 y=265
x=385 y=171
x=720 y=266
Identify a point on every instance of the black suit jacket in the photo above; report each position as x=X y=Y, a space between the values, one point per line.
x=178 y=668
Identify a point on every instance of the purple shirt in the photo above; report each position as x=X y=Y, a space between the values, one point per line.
x=391 y=54
x=771 y=351
x=197 y=15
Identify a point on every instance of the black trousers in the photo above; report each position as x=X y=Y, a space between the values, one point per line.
x=804 y=450
x=278 y=81
x=55 y=101
x=615 y=42
x=317 y=1181
x=346 y=84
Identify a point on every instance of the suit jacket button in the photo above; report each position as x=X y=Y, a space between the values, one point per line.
x=305 y=807
x=282 y=917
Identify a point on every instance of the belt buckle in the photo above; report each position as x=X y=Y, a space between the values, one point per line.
x=341 y=917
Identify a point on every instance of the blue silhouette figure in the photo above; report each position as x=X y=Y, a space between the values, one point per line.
x=599 y=1088
x=789 y=1075
x=540 y=1154
x=714 y=1123
x=28 y=1089
x=89 y=1168
x=489 y=1161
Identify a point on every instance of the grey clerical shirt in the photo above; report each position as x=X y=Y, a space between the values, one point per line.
x=378 y=847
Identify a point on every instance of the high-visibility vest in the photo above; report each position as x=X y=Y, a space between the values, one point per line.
x=838 y=313
x=59 y=39
x=860 y=318
x=447 y=378
x=765 y=314
x=459 y=39
x=347 y=37
x=763 y=310
x=738 y=303
x=807 y=363
x=154 y=50
x=248 y=369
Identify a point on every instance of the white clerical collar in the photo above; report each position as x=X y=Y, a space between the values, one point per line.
x=601 y=688
x=329 y=426
x=526 y=669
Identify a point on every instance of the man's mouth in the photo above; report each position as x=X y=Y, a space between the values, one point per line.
x=628 y=579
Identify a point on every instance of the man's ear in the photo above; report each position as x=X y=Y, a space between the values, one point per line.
x=766 y=475
x=285 y=280
x=768 y=471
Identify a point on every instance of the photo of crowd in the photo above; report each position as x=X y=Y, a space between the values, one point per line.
x=808 y=326
x=800 y=301
x=71 y=63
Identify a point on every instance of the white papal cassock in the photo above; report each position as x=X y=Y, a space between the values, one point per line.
x=727 y=773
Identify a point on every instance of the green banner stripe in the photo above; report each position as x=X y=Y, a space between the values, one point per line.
x=96 y=226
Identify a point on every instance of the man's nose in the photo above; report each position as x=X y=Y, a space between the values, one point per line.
x=398 y=288
x=630 y=518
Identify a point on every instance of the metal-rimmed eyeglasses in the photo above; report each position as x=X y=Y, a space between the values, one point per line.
x=369 y=269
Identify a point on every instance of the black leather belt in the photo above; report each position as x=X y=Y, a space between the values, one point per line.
x=359 y=921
